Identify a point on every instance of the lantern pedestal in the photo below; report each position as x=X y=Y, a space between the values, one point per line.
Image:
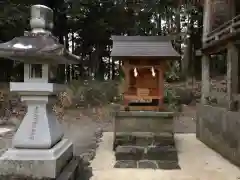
x=36 y=163
x=40 y=128
x=39 y=149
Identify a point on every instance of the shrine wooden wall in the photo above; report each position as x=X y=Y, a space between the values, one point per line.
x=146 y=85
x=221 y=11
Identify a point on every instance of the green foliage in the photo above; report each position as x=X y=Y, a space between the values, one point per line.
x=86 y=27
x=172 y=76
x=171 y=99
x=174 y=72
x=93 y=93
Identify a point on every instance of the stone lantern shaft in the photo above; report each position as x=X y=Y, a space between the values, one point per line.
x=40 y=128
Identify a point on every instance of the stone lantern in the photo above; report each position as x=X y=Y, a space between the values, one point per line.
x=38 y=148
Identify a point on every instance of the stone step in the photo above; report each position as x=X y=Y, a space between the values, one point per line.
x=126 y=164
x=129 y=153
x=168 y=165
x=144 y=139
x=148 y=164
x=161 y=153
x=146 y=153
x=70 y=172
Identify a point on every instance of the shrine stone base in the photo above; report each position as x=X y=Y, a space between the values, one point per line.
x=144 y=139
x=31 y=164
x=146 y=151
x=143 y=121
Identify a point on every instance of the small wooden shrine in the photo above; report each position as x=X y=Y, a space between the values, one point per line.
x=144 y=63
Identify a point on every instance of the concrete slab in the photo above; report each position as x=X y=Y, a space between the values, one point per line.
x=197 y=162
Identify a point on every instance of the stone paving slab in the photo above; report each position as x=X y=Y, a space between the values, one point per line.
x=140 y=174
x=197 y=162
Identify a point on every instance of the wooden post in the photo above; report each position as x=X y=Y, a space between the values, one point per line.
x=232 y=74
x=206 y=18
x=205 y=57
x=126 y=70
x=205 y=78
x=161 y=86
x=232 y=9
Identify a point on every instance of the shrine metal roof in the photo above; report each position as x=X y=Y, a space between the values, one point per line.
x=143 y=46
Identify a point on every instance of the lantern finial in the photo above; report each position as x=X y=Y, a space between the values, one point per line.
x=41 y=19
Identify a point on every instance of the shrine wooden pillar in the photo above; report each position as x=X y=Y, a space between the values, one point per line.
x=232 y=8
x=205 y=78
x=206 y=18
x=161 y=85
x=126 y=70
x=232 y=74
x=206 y=57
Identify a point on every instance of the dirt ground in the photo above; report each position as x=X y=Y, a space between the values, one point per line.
x=81 y=129
x=186 y=121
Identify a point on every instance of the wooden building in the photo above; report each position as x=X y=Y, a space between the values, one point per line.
x=218 y=122
x=221 y=35
x=144 y=60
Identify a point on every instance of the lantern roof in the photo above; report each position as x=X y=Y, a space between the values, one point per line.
x=144 y=46
x=39 y=45
x=35 y=48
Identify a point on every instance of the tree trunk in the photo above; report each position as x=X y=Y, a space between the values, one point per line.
x=178 y=29
x=188 y=50
x=73 y=40
x=113 y=69
x=159 y=26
